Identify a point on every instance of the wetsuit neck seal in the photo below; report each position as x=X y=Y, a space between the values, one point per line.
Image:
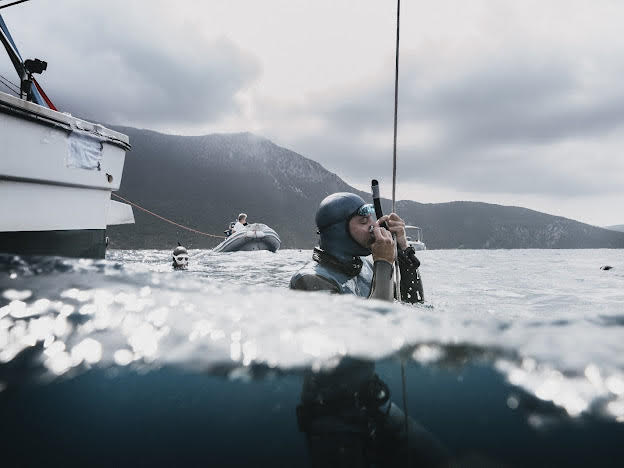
x=351 y=268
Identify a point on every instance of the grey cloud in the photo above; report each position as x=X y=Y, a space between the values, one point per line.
x=156 y=88
x=486 y=173
x=513 y=101
x=499 y=123
x=119 y=66
x=523 y=104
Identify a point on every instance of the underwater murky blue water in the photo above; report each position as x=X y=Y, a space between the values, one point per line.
x=516 y=359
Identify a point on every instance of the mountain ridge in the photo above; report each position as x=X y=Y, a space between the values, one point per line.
x=204 y=181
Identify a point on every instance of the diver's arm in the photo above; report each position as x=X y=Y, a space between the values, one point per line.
x=383 y=286
x=383 y=250
x=411 y=282
x=313 y=283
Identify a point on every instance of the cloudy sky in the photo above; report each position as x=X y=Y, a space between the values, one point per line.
x=501 y=101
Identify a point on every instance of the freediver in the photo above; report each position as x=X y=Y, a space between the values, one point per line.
x=180 y=258
x=348 y=235
x=346 y=413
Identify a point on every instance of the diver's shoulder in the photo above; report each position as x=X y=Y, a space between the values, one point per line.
x=311 y=277
x=313 y=283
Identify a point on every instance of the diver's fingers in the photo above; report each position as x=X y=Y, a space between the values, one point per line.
x=395 y=219
x=381 y=234
x=383 y=219
x=395 y=226
x=383 y=247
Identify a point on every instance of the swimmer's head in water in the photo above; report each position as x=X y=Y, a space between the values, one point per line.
x=180 y=258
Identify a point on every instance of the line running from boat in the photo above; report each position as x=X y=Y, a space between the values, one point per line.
x=9 y=84
x=165 y=219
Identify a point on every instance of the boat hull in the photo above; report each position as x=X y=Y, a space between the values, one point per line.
x=57 y=173
x=83 y=243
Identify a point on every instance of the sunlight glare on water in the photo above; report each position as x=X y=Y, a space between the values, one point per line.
x=550 y=321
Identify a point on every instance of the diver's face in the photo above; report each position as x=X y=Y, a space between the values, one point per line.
x=181 y=261
x=359 y=228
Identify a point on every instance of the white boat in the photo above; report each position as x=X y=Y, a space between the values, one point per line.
x=57 y=173
x=256 y=236
x=414 y=237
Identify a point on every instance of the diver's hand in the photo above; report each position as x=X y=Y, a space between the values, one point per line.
x=383 y=245
x=396 y=226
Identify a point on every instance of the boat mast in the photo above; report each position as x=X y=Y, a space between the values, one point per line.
x=11 y=49
x=25 y=69
x=10 y=46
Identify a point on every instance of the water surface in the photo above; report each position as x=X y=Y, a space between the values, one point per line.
x=516 y=359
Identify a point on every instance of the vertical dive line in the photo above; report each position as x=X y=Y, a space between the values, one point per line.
x=406 y=419
x=396 y=269
x=396 y=101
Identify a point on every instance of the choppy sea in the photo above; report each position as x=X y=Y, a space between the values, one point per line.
x=516 y=358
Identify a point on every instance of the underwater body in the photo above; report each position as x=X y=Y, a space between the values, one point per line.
x=515 y=359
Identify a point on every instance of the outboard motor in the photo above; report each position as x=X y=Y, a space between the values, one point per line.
x=228 y=232
x=180 y=258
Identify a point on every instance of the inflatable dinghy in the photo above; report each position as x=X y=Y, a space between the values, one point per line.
x=256 y=236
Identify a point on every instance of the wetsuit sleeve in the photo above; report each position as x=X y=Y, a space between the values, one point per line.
x=313 y=283
x=383 y=286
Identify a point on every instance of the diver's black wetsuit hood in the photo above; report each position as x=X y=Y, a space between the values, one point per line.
x=332 y=220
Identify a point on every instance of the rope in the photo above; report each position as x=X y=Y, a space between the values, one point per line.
x=165 y=219
x=396 y=103
x=405 y=421
x=9 y=84
x=396 y=266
